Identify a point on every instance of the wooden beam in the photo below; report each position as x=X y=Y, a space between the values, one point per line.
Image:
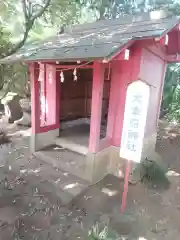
x=161 y=92
x=175 y=58
x=113 y=98
x=35 y=100
x=96 y=106
x=73 y=67
x=42 y=87
x=158 y=50
x=69 y=67
x=51 y=94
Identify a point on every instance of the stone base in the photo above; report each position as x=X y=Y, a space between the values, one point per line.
x=95 y=166
x=41 y=140
x=118 y=165
x=148 y=150
x=108 y=161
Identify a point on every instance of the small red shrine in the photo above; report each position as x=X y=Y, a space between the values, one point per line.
x=79 y=81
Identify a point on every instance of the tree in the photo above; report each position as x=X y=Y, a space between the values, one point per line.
x=28 y=20
x=64 y=12
x=169 y=88
x=59 y=12
x=31 y=12
x=171 y=96
x=107 y=9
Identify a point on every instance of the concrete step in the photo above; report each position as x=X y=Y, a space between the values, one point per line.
x=64 y=159
x=68 y=163
x=70 y=145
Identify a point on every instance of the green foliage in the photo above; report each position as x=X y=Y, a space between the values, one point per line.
x=171 y=95
x=103 y=9
x=64 y=12
x=98 y=233
x=27 y=20
x=12 y=77
x=154 y=173
x=174 y=109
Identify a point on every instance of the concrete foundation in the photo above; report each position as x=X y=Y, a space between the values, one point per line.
x=107 y=161
x=148 y=151
x=92 y=167
x=42 y=140
x=117 y=164
x=97 y=165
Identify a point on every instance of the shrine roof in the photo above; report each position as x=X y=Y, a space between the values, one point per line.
x=98 y=40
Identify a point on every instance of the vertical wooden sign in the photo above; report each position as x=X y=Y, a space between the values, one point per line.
x=136 y=108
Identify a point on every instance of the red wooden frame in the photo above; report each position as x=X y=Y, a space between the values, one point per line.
x=104 y=143
x=35 y=84
x=61 y=67
x=96 y=106
x=161 y=92
x=34 y=74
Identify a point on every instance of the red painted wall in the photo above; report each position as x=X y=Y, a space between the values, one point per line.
x=76 y=96
x=173 y=42
x=152 y=71
x=126 y=72
x=72 y=99
x=146 y=66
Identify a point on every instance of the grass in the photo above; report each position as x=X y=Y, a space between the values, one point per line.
x=102 y=233
x=154 y=173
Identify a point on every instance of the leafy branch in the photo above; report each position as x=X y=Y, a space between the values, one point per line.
x=31 y=13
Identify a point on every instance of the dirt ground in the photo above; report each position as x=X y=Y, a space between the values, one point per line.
x=31 y=206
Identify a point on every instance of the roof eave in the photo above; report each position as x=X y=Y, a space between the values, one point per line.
x=114 y=54
x=66 y=60
x=168 y=30
x=50 y=60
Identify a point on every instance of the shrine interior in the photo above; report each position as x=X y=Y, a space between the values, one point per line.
x=75 y=106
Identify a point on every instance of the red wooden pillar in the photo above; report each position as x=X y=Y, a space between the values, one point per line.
x=35 y=100
x=52 y=102
x=121 y=85
x=50 y=96
x=42 y=93
x=45 y=105
x=96 y=106
x=113 y=98
x=161 y=92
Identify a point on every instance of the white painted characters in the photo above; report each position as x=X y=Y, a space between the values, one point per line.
x=136 y=108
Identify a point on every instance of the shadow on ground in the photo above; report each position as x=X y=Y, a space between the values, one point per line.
x=31 y=202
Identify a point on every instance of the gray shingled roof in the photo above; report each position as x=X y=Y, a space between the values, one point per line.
x=98 y=40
